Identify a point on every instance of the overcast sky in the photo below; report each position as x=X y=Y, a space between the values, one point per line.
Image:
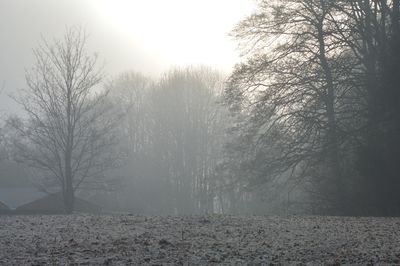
x=148 y=36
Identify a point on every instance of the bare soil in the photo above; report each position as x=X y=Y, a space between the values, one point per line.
x=198 y=240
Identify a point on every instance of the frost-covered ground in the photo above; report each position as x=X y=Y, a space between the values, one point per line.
x=197 y=240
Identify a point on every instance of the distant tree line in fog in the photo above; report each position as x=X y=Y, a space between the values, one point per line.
x=308 y=123
x=172 y=136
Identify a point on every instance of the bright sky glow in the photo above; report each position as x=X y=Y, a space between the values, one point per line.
x=178 y=32
x=147 y=36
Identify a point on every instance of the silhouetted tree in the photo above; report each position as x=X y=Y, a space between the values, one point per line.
x=319 y=92
x=292 y=81
x=67 y=130
x=374 y=40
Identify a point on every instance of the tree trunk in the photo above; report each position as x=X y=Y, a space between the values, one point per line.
x=69 y=193
x=332 y=138
x=69 y=190
x=395 y=20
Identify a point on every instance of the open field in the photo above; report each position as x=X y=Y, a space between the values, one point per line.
x=198 y=240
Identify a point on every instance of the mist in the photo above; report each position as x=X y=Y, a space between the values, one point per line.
x=117 y=34
x=199 y=132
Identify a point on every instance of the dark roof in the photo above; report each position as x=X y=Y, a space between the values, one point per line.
x=3 y=207
x=54 y=203
x=16 y=196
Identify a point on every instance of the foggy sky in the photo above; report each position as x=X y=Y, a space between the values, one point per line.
x=146 y=36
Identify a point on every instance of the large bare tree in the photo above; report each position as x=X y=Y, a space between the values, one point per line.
x=67 y=132
x=324 y=75
x=296 y=81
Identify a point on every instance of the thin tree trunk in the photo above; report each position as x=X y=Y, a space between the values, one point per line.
x=69 y=195
x=69 y=191
x=332 y=138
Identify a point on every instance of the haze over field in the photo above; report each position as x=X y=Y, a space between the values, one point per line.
x=145 y=36
x=218 y=132
x=210 y=106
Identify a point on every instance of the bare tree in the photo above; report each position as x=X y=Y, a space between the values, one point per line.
x=189 y=134
x=296 y=82
x=68 y=130
x=324 y=74
x=172 y=135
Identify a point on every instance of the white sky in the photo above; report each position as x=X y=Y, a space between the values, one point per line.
x=148 y=36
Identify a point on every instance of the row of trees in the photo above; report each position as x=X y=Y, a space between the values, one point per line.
x=172 y=137
x=153 y=145
x=317 y=103
x=312 y=113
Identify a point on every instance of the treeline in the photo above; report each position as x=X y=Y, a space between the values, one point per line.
x=308 y=123
x=131 y=143
x=317 y=104
x=172 y=138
